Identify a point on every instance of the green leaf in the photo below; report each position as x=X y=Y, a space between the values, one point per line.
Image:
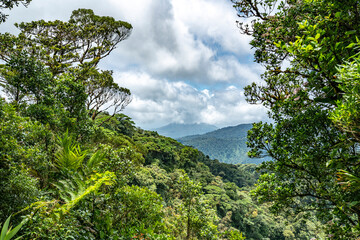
x=350 y=32
x=351 y=45
x=14 y=231
x=5 y=228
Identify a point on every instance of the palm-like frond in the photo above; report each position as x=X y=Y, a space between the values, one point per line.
x=82 y=178
x=94 y=160
x=74 y=190
x=348 y=180
x=69 y=155
x=6 y=232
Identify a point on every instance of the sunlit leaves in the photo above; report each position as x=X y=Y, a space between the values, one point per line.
x=302 y=45
x=84 y=40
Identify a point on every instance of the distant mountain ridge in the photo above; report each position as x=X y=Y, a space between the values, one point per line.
x=178 y=130
x=226 y=144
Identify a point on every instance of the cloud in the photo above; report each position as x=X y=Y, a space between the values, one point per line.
x=214 y=21
x=160 y=43
x=185 y=60
x=229 y=70
x=192 y=40
x=196 y=41
x=158 y=102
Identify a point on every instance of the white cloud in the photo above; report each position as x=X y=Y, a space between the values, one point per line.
x=213 y=20
x=229 y=69
x=158 y=102
x=183 y=39
x=196 y=40
x=175 y=45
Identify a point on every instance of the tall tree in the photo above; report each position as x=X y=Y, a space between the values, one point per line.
x=80 y=42
x=71 y=52
x=103 y=94
x=302 y=44
x=9 y=4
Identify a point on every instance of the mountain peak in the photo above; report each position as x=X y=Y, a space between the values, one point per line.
x=178 y=130
x=227 y=144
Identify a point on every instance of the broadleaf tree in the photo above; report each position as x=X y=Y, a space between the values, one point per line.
x=9 y=4
x=302 y=45
x=70 y=51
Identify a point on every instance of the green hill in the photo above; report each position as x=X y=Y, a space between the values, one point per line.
x=227 y=144
x=71 y=171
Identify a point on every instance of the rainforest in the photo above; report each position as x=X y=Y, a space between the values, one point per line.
x=74 y=166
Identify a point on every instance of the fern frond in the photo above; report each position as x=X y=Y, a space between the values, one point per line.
x=348 y=180
x=95 y=159
x=69 y=155
x=95 y=183
x=69 y=188
x=74 y=190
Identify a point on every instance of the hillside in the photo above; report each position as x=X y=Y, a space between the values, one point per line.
x=227 y=144
x=70 y=170
x=125 y=182
x=178 y=130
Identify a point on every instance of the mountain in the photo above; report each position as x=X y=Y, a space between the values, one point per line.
x=226 y=144
x=178 y=130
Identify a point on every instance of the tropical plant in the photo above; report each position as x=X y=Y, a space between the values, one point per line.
x=8 y=233
x=69 y=155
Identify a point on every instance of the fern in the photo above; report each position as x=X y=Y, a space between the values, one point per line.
x=69 y=155
x=94 y=160
x=81 y=179
x=74 y=190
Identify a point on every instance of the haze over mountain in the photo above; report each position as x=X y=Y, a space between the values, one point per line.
x=178 y=130
x=226 y=144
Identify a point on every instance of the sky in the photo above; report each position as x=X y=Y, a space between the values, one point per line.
x=184 y=62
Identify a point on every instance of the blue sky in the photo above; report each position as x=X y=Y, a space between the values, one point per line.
x=184 y=62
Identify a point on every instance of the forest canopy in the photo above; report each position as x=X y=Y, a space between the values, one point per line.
x=310 y=52
x=73 y=166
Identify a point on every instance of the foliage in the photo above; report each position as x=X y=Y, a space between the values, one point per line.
x=53 y=41
x=79 y=172
x=8 y=233
x=102 y=90
x=6 y=4
x=138 y=209
x=69 y=155
x=346 y=113
x=308 y=49
x=18 y=190
x=71 y=52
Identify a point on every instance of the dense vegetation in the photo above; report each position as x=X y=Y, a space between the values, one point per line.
x=72 y=170
x=227 y=144
x=73 y=167
x=310 y=49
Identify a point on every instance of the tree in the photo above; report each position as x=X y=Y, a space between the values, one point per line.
x=25 y=79
x=32 y=88
x=103 y=93
x=81 y=42
x=62 y=58
x=312 y=38
x=137 y=211
x=199 y=217
x=9 y=4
